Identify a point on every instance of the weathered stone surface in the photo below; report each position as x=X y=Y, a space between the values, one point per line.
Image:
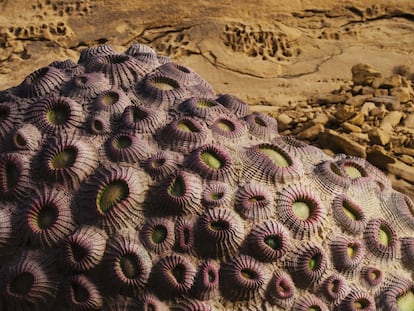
x=364 y=74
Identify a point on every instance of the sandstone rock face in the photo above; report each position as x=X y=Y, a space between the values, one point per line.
x=276 y=57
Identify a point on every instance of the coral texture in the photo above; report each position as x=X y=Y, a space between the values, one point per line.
x=125 y=182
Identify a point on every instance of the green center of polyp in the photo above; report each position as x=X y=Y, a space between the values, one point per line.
x=248 y=274
x=273 y=241
x=111 y=194
x=159 y=234
x=354 y=172
x=384 y=235
x=256 y=199
x=361 y=304
x=315 y=262
x=12 y=175
x=22 y=283
x=352 y=250
x=350 y=211
x=178 y=273
x=58 y=115
x=64 y=159
x=187 y=126
x=122 y=142
x=405 y=302
x=211 y=276
x=80 y=293
x=164 y=84
x=97 y=125
x=110 y=98
x=177 y=187
x=335 y=169
x=129 y=266
x=212 y=159
x=205 y=103
x=302 y=209
x=334 y=286
x=47 y=217
x=225 y=125
x=216 y=196
x=276 y=157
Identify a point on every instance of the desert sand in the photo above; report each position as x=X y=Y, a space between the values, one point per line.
x=336 y=74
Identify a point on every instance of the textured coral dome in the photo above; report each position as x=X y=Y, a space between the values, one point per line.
x=126 y=183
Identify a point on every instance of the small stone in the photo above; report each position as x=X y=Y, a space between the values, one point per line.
x=404 y=150
x=320 y=118
x=358 y=100
x=367 y=107
x=312 y=132
x=379 y=112
x=344 y=112
x=378 y=156
x=339 y=143
x=390 y=102
x=360 y=137
x=390 y=82
x=367 y=90
x=378 y=136
x=393 y=118
x=402 y=186
x=301 y=119
x=332 y=99
x=407 y=159
x=366 y=127
x=397 y=140
x=376 y=83
x=409 y=121
x=284 y=121
x=358 y=119
x=402 y=93
x=356 y=89
x=348 y=127
x=402 y=170
x=381 y=92
x=364 y=74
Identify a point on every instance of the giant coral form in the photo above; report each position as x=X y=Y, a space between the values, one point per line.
x=127 y=184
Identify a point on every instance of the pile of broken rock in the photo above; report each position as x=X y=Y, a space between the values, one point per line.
x=372 y=117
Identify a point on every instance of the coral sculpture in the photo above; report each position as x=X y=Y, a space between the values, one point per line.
x=126 y=183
